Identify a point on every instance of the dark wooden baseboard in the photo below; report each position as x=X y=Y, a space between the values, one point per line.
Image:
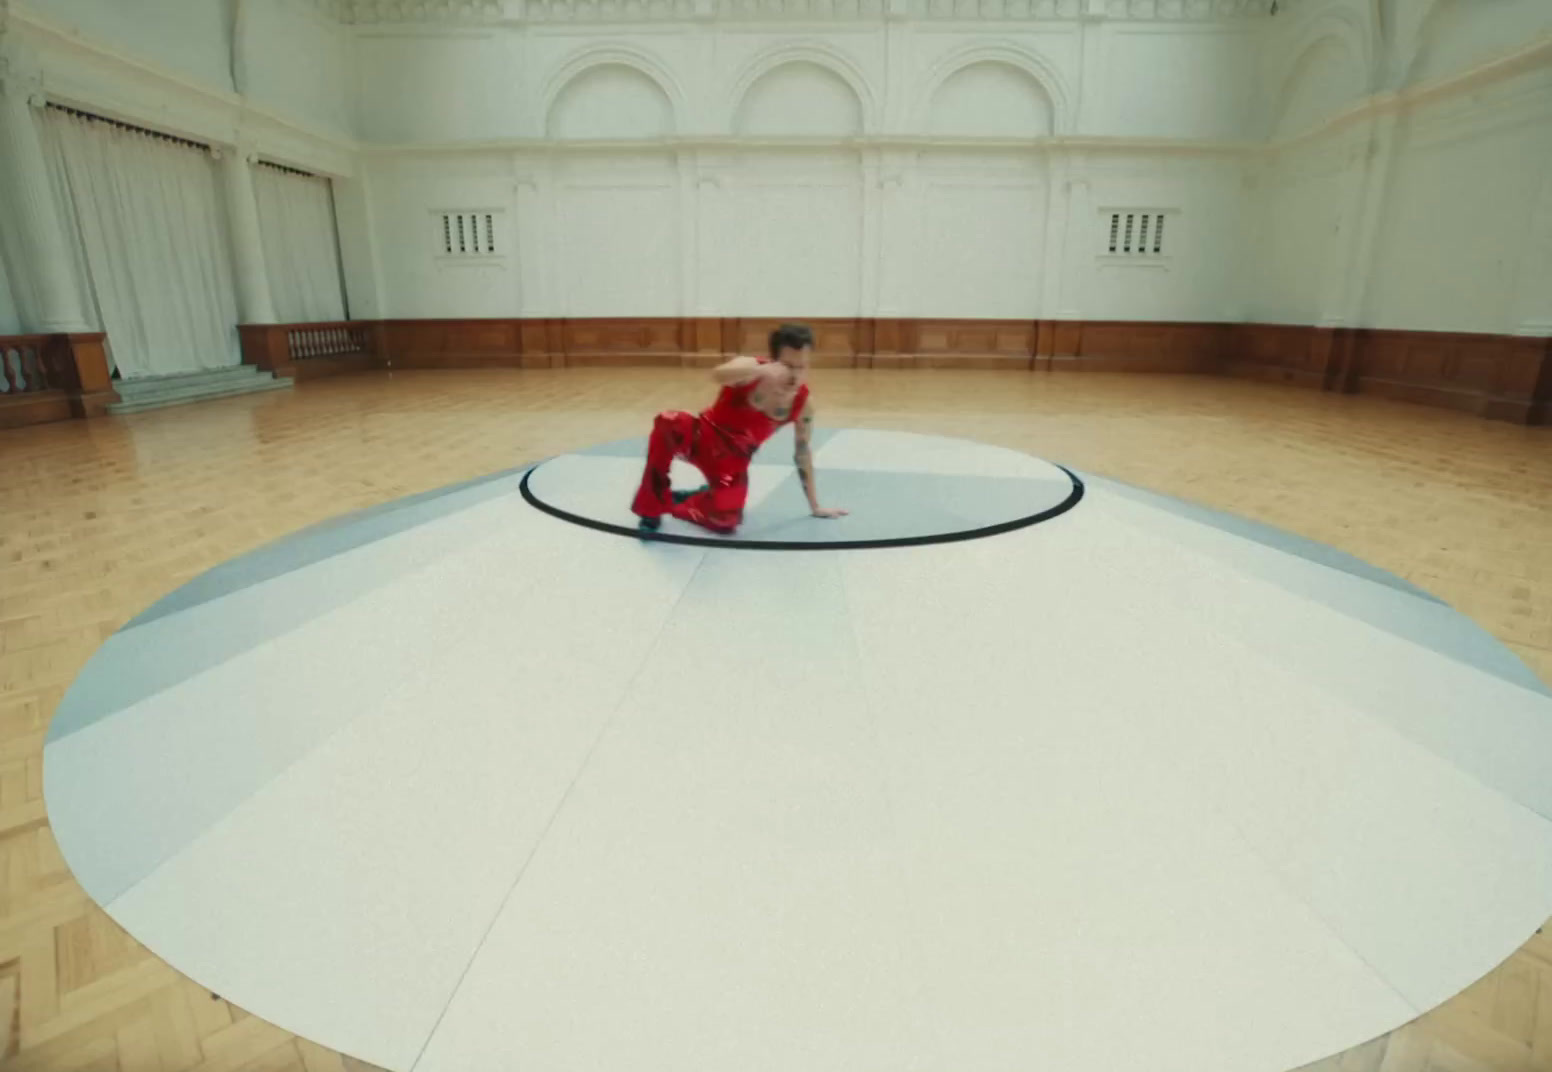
x=1500 y=377
x=43 y=407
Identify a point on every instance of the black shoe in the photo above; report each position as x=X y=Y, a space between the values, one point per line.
x=685 y=496
x=649 y=524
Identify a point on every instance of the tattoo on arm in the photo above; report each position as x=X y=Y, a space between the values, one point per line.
x=804 y=456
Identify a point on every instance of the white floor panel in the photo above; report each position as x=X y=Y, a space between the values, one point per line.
x=1103 y=794
x=1499 y=731
x=601 y=486
x=1071 y=881
x=1352 y=811
x=722 y=890
x=375 y=866
x=227 y=730
x=908 y=452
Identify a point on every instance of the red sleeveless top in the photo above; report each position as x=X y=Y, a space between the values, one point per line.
x=744 y=426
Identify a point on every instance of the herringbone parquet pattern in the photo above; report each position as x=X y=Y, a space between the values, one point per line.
x=98 y=519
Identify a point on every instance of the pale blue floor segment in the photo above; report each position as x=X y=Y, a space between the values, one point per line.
x=1367 y=594
x=332 y=537
x=1277 y=539
x=129 y=791
x=289 y=585
x=455 y=783
x=888 y=501
x=897 y=506
x=776 y=450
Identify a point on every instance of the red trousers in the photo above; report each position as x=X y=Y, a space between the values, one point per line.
x=684 y=435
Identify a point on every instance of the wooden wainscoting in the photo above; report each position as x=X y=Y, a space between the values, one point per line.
x=968 y=344
x=1133 y=346
x=452 y=343
x=838 y=343
x=1501 y=377
x=1280 y=353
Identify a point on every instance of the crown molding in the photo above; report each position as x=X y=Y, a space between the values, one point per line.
x=1536 y=55
x=737 y=144
x=606 y=12
x=368 y=12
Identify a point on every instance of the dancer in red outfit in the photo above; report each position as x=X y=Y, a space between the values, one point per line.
x=758 y=396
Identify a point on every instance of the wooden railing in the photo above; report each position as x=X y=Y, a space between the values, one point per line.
x=24 y=365
x=328 y=340
x=311 y=349
x=53 y=377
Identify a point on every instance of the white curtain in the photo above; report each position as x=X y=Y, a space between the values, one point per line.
x=10 y=319
x=301 y=253
x=149 y=238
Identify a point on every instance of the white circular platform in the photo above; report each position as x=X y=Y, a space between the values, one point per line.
x=458 y=785
x=900 y=488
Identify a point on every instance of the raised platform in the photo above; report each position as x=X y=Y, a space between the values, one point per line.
x=901 y=489
x=457 y=784
x=159 y=392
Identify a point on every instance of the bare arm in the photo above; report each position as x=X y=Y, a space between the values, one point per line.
x=740 y=370
x=804 y=457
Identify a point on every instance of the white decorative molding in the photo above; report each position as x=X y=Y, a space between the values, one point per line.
x=817 y=51
x=732 y=143
x=486 y=12
x=378 y=11
x=620 y=55
x=1538 y=54
x=1037 y=66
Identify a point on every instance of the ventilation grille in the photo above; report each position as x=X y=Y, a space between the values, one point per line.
x=1136 y=233
x=468 y=234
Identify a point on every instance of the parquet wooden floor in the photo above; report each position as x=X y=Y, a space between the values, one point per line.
x=98 y=519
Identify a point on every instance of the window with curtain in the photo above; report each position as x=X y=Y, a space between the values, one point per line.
x=301 y=250
x=148 y=237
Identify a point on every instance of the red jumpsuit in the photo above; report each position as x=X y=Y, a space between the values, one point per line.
x=720 y=442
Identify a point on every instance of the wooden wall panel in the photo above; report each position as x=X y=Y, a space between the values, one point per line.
x=452 y=343
x=835 y=341
x=317 y=368
x=1495 y=375
x=45 y=407
x=621 y=342
x=1139 y=346
x=1282 y=353
x=991 y=344
x=1502 y=377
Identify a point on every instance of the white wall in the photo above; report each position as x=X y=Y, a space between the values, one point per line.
x=171 y=63
x=1457 y=35
x=1301 y=221
x=1460 y=215
x=828 y=158
x=791 y=237
x=979 y=247
x=1431 y=211
x=1158 y=82
x=870 y=167
x=191 y=38
x=615 y=246
x=299 y=62
x=418 y=279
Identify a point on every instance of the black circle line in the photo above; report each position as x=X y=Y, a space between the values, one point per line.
x=1062 y=507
